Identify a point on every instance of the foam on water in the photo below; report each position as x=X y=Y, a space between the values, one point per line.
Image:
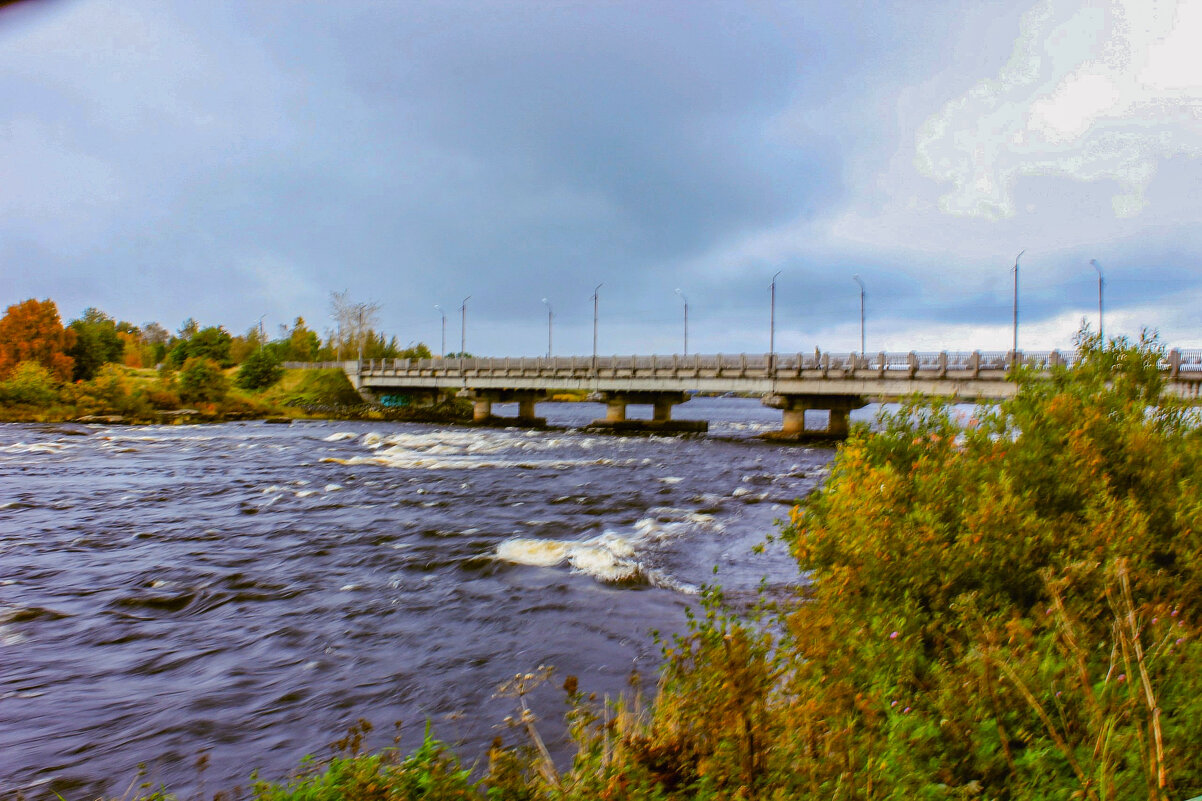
x=36 y=447
x=447 y=449
x=610 y=557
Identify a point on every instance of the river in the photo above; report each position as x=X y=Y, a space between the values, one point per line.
x=249 y=590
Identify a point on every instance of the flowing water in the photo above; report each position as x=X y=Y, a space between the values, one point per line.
x=248 y=590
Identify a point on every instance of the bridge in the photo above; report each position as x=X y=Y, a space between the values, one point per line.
x=793 y=383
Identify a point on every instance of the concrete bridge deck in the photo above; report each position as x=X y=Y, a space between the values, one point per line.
x=793 y=383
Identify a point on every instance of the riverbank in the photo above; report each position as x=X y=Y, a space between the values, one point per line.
x=130 y=396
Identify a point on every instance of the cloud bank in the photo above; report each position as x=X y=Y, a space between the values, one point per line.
x=1093 y=93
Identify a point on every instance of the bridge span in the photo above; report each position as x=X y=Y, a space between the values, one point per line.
x=793 y=383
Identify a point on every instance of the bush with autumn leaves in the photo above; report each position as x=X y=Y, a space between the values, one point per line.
x=999 y=605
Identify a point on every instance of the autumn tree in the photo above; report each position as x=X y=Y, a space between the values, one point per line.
x=242 y=347
x=419 y=351
x=32 y=331
x=303 y=343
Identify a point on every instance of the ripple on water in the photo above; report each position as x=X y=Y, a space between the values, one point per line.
x=252 y=589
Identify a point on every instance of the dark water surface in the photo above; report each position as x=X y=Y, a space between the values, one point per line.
x=250 y=590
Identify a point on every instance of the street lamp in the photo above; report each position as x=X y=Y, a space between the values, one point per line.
x=1014 y=352
x=596 y=290
x=360 y=313
x=856 y=278
x=443 y=352
x=1101 y=283
x=463 y=328
x=550 y=315
x=772 y=321
x=262 y=336
x=686 y=320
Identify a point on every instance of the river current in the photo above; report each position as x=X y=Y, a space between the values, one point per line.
x=248 y=590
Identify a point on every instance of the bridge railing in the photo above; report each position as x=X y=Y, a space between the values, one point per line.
x=1189 y=361
x=1184 y=363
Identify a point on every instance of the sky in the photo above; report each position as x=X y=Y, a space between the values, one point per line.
x=235 y=162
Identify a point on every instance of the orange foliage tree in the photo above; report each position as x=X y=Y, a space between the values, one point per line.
x=31 y=331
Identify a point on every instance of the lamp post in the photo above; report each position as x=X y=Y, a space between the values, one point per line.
x=596 y=290
x=262 y=336
x=1101 y=283
x=360 y=313
x=1014 y=352
x=442 y=354
x=772 y=320
x=550 y=315
x=686 y=320
x=463 y=328
x=856 y=278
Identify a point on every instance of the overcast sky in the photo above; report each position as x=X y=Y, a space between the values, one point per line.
x=227 y=160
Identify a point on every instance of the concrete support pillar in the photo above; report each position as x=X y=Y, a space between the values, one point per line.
x=483 y=400
x=794 y=421
x=838 y=425
x=661 y=416
x=793 y=410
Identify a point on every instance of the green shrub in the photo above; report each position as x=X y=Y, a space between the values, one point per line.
x=201 y=381
x=431 y=772
x=261 y=369
x=30 y=384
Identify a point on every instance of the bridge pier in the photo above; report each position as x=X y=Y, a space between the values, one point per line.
x=661 y=415
x=483 y=399
x=794 y=408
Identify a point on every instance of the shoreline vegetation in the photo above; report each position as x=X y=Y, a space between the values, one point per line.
x=1001 y=605
x=99 y=370
x=131 y=396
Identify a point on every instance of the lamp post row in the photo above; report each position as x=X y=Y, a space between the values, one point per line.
x=771 y=314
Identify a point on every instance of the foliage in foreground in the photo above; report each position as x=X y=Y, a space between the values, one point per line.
x=1000 y=607
x=1004 y=606
x=431 y=771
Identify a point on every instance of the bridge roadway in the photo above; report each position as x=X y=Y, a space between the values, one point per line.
x=793 y=383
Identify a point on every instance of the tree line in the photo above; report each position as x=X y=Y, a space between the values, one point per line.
x=33 y=331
